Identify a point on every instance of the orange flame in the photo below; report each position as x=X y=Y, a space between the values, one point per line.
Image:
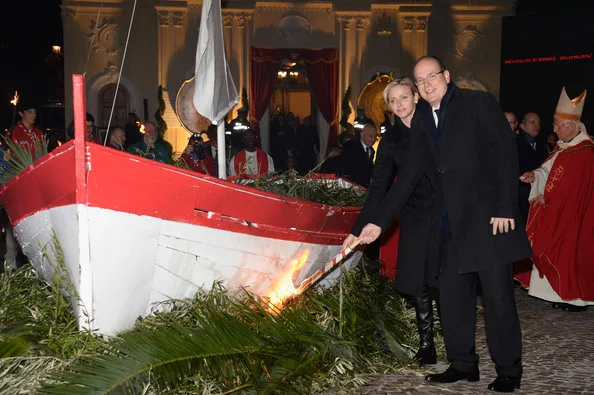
x=140 y=127
x=283 y=288
x=15 y=99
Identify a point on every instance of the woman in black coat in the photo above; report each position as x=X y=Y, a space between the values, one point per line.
x=414 y=268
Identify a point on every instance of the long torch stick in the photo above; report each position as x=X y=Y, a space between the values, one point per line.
x=320 y=273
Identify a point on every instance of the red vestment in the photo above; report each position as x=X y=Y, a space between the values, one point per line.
x=562 y=231
x=240 y=159
x=204 y=166
x=25 y=137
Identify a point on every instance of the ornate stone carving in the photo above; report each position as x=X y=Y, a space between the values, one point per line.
x=227 y=20
x=242 y=20
x=362 y=22
x=106 y=36
x=408 y=23
x=295 y=29
x=178 y=18
x=163 y=18
x=347 y=22
x=469 y=42
x=421 y=23
x=371 y=97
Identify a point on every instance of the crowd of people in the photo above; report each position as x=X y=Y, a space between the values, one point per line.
x=477 y=207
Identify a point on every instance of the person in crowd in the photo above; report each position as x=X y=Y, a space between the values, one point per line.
x=512 y=120
x=25 y=133
x=132 y=128
x=237 y=126
x=308 y=146
x=150 y=147
x=532 y=151
x=212 y=148
x=389 y=120
x=117 y=138
x=280 y=136
x=331 y=165
x=91 y=130
x=470 y=153
x=551 y=141
x=561 y=221
x=412 y=276
x=251 y=160
x=356 y=158
x=197 y=158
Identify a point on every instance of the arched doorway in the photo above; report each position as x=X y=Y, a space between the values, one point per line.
x=120 y=110
x=322 y=69
x=293 y=116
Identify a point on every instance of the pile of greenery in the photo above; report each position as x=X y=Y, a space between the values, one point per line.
x=214 y=343
x=315 y=189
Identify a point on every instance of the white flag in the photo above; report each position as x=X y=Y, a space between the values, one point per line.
x=214 y=91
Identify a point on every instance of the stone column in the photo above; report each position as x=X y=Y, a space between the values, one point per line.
x=237 y=31
x=353 y=41
x=172 y=22
x=412 y=25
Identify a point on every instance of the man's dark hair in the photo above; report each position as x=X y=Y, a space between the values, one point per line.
x=442 y=65
x=27 y=106
x=90 y=118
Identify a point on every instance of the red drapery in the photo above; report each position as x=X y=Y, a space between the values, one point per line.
x=322 y=69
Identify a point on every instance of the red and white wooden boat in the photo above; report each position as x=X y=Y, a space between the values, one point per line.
x=135 y=232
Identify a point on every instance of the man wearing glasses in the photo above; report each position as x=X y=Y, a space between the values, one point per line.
x=472 y=158
x=561 y=219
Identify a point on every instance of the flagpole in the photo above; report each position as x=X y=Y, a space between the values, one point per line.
x=221 y=145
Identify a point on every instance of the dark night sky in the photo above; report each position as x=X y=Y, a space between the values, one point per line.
x=30 y=27
x=28 y=30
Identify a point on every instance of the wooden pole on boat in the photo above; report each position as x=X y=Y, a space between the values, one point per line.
x=321 y=273
x=80 y=116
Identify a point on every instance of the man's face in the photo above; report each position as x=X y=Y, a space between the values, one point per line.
x=28 y=116
x=150 y=134
x=369 y=135
x=119 y=137
x=431 y=90
x=89 y=129
x=249 y=141
x=531 y=124
x=565 y=130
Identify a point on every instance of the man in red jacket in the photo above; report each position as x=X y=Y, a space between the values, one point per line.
x=24 y=132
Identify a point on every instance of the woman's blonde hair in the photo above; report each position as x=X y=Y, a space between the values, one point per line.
x=406 y=81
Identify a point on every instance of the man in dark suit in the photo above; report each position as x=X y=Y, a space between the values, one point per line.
x=356 y=158
x=472 y=156
x=532 y=152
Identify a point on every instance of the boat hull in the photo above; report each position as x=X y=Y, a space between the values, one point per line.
x=134 y=232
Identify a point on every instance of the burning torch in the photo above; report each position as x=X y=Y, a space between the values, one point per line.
x=14 y=102
x=328 y=267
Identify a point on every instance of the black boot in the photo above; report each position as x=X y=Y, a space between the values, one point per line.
x=424 y=311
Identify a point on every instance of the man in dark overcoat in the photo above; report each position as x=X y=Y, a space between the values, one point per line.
x=471 y=153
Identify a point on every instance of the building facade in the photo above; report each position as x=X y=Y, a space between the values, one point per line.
x=139 y=48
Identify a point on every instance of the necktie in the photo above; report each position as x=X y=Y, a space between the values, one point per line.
x=370 y=153
x=436 y=116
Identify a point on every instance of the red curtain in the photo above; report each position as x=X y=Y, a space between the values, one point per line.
x=264 y=64
x=322 y=69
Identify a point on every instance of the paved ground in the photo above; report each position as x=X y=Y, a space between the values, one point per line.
x=558 y=357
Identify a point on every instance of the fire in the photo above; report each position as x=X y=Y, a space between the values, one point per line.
x=284 y=288
x=15 y=99
x=140 y=127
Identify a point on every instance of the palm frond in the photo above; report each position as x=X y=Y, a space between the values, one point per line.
x=22 y=157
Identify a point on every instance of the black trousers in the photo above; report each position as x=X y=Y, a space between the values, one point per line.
x=458 y=293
